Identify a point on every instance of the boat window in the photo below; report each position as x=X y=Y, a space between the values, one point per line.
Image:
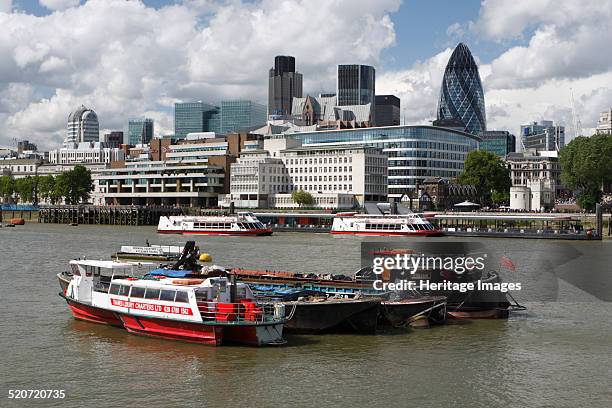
x=124 y=290
x=152 y=293
x=181 y=296
x=114 y=289
x=167 y=295
x=137 y=292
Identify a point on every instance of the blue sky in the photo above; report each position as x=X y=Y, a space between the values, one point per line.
x=137 y=58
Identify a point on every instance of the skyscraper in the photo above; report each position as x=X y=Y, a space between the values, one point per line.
x=195 y=117
x=356 y=85
x=461 y=95
x=284 y=83
x=140 y=131
x=83 y=126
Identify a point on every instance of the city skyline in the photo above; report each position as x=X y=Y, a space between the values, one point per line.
x=42 y=83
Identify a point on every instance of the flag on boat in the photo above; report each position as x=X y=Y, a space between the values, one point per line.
x=507 y=263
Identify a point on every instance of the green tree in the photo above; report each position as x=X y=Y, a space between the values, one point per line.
x=46 y=188
x=24 y=187
x=74 y=186
x=586 y=165
x=302 y=198
x=7 y=186
x=488 y=173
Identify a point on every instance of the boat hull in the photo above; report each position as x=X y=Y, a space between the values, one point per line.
x=429 y=233
x=89 y=313
x=253 y=232
x=341 y=316
x=202 y=333
x=409 y=311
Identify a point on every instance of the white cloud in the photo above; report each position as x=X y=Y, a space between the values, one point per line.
x=59 y=4
x=6 y=6
x=126 y=60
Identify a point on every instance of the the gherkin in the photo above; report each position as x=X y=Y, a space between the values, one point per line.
x=461 y=95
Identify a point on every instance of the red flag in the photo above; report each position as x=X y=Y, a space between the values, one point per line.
x=507 y=263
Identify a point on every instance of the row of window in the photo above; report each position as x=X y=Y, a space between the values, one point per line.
x=321 y=160
x=168 y=295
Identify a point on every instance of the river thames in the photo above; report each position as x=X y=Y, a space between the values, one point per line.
x=556 y=354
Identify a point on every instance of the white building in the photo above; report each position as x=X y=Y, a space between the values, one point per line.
x=85 y=152
x=535 y=180
x=19 y=168
x=537 y=195
x=336 y=176
x=83 y=126
x=604 y=125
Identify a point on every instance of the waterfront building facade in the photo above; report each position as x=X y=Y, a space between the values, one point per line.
x=83 y=126
x=192 y=117
x=140 y=131
x=159 y=183
x=86 y=153
x=336 y=176
x=19 y=168
x=543 y=135
x=414 y=152
x=284 y=83
x=461 y=94
x=387 y=110
x=499 y=142
x=604 y=125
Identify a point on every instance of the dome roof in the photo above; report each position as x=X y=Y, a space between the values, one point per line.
x=78 y=114
x=461 y=58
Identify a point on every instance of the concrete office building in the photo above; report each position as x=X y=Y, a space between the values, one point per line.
x=337 y=176
x=387 y=110
x=140 y=131
x=284 y=83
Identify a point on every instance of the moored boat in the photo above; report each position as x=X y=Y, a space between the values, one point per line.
x=210 y=311
x=243 y=223
x=384 y=225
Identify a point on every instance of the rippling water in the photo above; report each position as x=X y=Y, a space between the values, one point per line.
x=558 y=353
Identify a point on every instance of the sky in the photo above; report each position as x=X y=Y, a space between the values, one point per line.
x=128 y=59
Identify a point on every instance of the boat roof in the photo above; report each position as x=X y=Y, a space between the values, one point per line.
x=108 y=264
x=165 y=282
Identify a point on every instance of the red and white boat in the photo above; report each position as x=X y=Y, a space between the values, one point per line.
x=364 y=224
x=207 y=311
x=243 y=223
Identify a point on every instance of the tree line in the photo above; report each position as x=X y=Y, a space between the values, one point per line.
x=72 y=187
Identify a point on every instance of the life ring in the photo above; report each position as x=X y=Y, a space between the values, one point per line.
x=187 y=281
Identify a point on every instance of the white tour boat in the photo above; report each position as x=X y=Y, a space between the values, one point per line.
x=364 y=224
x=243 y=223
x=207 y=311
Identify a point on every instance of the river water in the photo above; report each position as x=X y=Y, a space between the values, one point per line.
x=556 y=354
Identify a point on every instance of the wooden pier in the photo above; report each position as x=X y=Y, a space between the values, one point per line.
x=105 y=215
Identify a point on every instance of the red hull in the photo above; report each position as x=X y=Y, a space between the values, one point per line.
x=173 y=330
x=258 y=232
x=93 y=314
x=380 y=234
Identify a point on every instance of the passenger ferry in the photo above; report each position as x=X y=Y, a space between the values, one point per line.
x=244 y=223
x=207 y=311
x=364 y=224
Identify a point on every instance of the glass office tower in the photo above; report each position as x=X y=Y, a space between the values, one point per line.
x=461 y=95
x=239 y=114
x=140 y=131
x=192 y=117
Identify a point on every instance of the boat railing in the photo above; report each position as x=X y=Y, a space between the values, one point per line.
x=244 y=311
